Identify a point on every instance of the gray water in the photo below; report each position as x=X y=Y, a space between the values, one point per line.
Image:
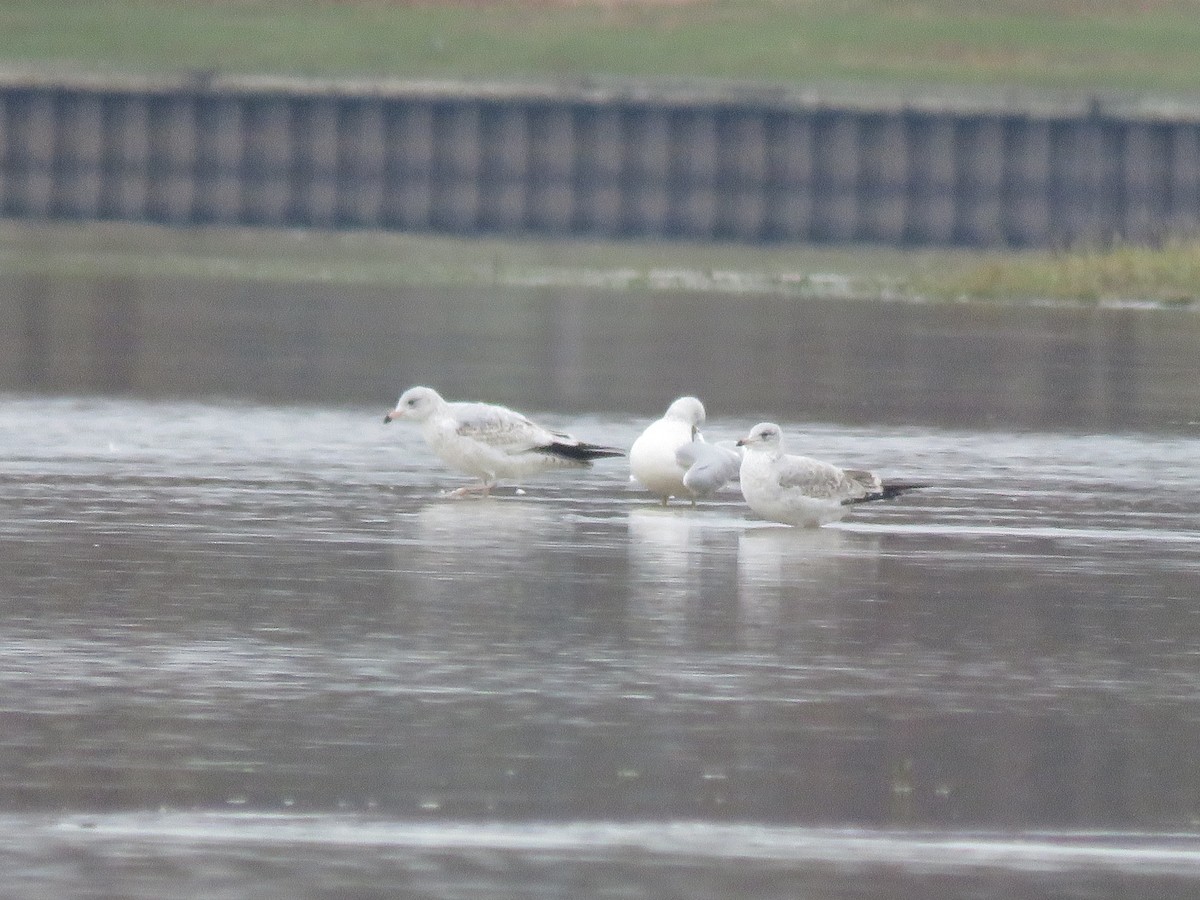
x=252 y=649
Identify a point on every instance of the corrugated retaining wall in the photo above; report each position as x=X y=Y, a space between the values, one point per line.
x=747 y=165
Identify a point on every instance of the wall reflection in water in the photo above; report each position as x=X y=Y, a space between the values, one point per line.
x=574 y=349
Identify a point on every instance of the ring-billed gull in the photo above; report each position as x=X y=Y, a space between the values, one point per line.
x=670 y=458
x=489 y=441
x=797 y=490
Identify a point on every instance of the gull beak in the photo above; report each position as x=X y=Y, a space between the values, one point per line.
x=744 y=442
x=394 y=414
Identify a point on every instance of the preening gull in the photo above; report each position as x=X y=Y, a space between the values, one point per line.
x=797 y=490
x=491 y=442
x=670 y=458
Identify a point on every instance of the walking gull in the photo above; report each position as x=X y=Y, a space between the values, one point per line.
x=671 y=459
x=491 y=442
x=797 y=490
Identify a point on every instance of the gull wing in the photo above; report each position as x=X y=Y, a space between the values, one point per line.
x=501 y=428
x=820 y=480
x=709 y=466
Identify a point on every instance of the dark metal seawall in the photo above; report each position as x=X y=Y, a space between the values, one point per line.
x=616 y=160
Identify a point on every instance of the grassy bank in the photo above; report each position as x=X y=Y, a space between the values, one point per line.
x=1167 y=276
x=1100 y=45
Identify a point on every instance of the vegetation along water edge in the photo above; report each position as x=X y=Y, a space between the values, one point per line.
x=1167 y=275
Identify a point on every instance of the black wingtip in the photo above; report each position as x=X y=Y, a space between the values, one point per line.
x=581 y=452
x=890 y=490
x=896 y=488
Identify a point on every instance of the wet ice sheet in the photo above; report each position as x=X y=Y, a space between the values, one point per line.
x=276 y=611
x=915 y=851
x=171 y=855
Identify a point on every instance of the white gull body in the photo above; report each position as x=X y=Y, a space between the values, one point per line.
x=667 y=452
x=799 y=490
x=491 y=442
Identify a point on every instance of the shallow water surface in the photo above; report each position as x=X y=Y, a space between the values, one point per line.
x=254 y=650
x=248 y=644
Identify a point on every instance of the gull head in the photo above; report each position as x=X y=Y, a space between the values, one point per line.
x=688 y=410
x=763 y=436
x=417 y=404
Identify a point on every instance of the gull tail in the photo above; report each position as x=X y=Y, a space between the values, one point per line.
x=888 y=490
x=580 y=451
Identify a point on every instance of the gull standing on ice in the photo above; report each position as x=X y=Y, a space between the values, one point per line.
x=797 y=490
x=491 y=442
x=670 y=458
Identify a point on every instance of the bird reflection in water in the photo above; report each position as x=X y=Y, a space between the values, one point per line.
x=680 y=571
x=801 y=579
